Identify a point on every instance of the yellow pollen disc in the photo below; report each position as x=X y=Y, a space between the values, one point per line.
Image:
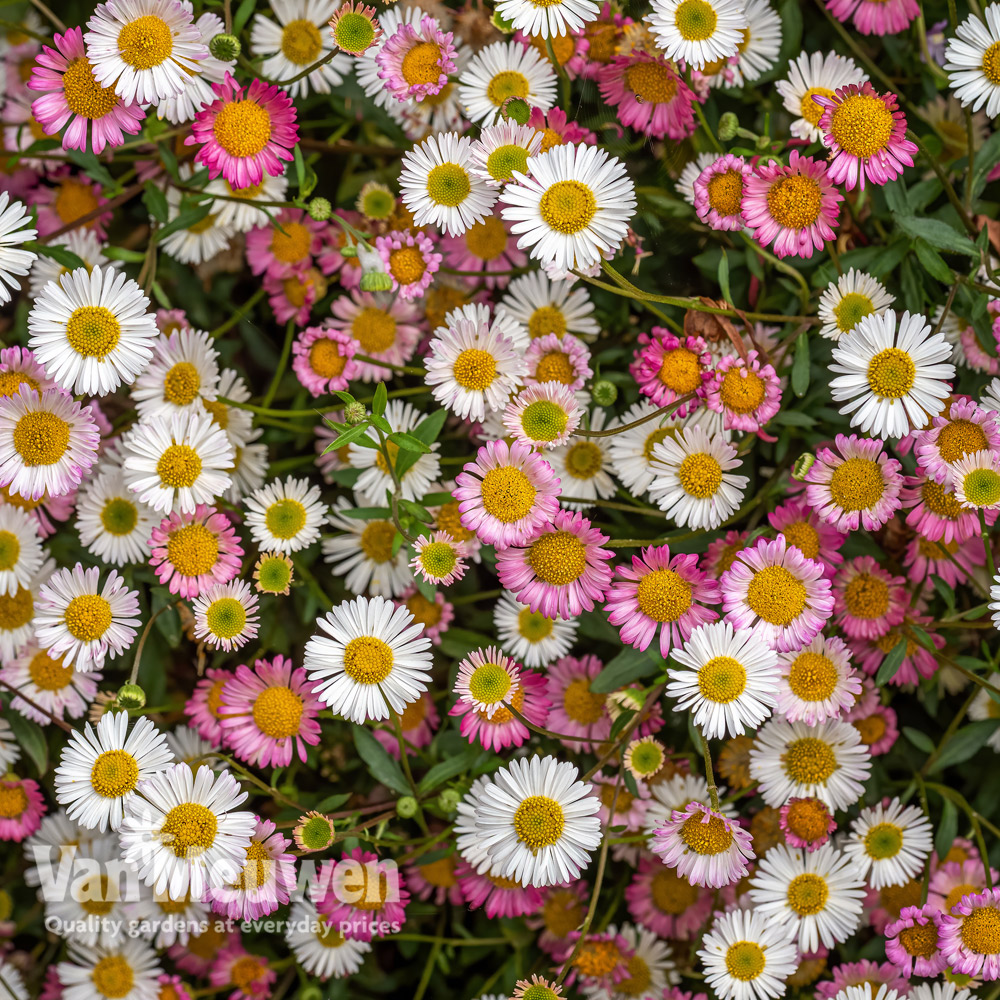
x=991 y=64
x=507 y=494
x=325 y=358
x=301 y=42
x=871 y=729
x=376 y=541
x=426 y=613
x=651 y=82
x=48 y=674
x=219 y=412
x=501 y=716
x=809 y=109
x=438 y=559
x=181 y=384
x=88 y=617
x=10 y=550
x=891 y=373
x=807 y=894
x=538 y=822
x=725 y=193
x=654 y=438
x=475 y=370
x=507 y=83
x=568 y=207
x=545 y=320
x=489 y=683
x=794 y=202
x=809 y=761
x=293 y=244
x=813 y=677
x=663 y=595
x=226 y=618
x=671 y=893
x=562 y=912
x=285 y=518
x=189 y=829
x=722 y=679
x=681 y=371
x=981 y=931
x=745 y=960
x=374 y=329
x=93 y=331
x=145 y=42
x=602 y=38
x=709 y=838
x=866 y=596
x=808 y=819
x=558 y=558
x=380 y=459
x=700 y=475
x=555 y=367
x=637 y=984
x=920 y=940
x=114 y=774
x=112 y=975
x=488 y=239
x=247 y=193
x=84 y=95
x=407 y=265
x=74 y=199
x=883 y=840
x=448 y=184
x=803 y=536
x=192 y=550
x=741 y=391
x=624 y=802
x=422 y=64
x=13 y=800
x=582 y=705
x=179 y=467
x=851 y=310
x=368 y=660
x=598 y=958
x=94 y=897
x=256 y=871
x=695 y=20
x=861 y=125
x=584 y=460
x=11 y=381
x=544 y=420
x=327 y=935
x=960 y=438
x=533 y=625
x=857 y=484
x=16 y=611
x=371 y=899
x=956 y=894
x=776 y=595
x=277 y=712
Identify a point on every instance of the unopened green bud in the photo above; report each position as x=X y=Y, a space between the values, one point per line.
x=802 y=466
x=728 y=124
x=449 y=799
x=516 y=109
x=604 y=393
x=376 y=281
x=311 y=992
x=501 y=23
x=225 y=48
x=319 y=209
x=354 y=413
x=348 y=250
x=407 y=807
x=131 y=696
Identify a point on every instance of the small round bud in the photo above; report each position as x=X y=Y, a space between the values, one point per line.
x=728 y=124
x=354 y=413
x=407 y=807
x=501 y=23
x=604 y=393
x=131 y=696
x=311 y=992
x=225 y=48
x=449 y=799
x=348 y=250
x=516 y=109
x=319 y=209
x=375 y=281
x=802 y=466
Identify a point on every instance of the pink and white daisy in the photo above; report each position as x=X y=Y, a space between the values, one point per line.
x=745 y=392
x=866 y=134
x=865 y=975
x=543 y=416
x=94 y=117
x=806 y=823
x=377 y=888
x=23 y=808
x=558 y=359
x=576 y=709
x=876 y=723
x=285 y=245
x=202 y=708
x=912 y=941
x=496 y=896
x=876 y=17
x=486 y=679
x=435 y=880
x=225 y=615
x=69 y=196
x=806 y=531
x=704 y=846
x=619 y=806
x=661 y=594
x=410 y=261
x=935 y=513
x=793 y=208
x=718 y=192
x=562 y=570
x=434 y=615
x=665 y=902
x=507 y=494
x=439 y=559
x=385 y=330
x=856 y=485
x=245 y=132
x=648 y=95
x=500 y=150
x=192 y=551
x=667 y=367
x=415 y=60
x=968 y=937
x=558 y=129
x=486 y=249
x=868 y=600
x=964 y=430
x=322 y=359
x=19 y=366
x=293 y=296
x=562 y=912
x=55 y=690
x=953 y=562
x=956 y=879
x=251 y=976
x=817 y=682
x=777 y=593
x=503 y=729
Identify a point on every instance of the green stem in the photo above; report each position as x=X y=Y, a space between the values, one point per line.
x=402 y=369
x=286 y=350
x=266 y=412
x=239 y=314
x=661 y=412
x=948 y=733
x=713 y=138
x=985 y=532
x=713 y=789
x=404 y=759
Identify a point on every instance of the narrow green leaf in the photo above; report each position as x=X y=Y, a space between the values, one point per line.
x=378 y=763
x=724 y=278
x=966 y=742
x=800 y=366
x=31 y=739
x=629 y=665
x=947 y=829
x=919 y=739
x=156 y=202
x=938 y=234
x=932 y=262
x=66 y=258
x=123 y=253
x=891 y=663
x=381 y=397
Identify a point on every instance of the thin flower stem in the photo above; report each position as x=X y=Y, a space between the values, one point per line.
x=286 y=350
x=142 y=641
x=661 y=412
x=240 y=313
x=266 y=412
x=404 y=759
x=60 y=722
x=713 y=790
x=985 y=533
x=542 y=731
x=713 y=138
x=42 y=9
x=948 y=733
x=949 y=190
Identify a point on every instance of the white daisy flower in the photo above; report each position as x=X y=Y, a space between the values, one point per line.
x=889 y=843
x=128 y=970
x=112 y=523
x=82 y=622
x=437 y=185
x=758 y=51
x=250 y=469
x=100 y=768
x=176 y=464
x=17 y=615
x=972 y=61
x=572 y=207
x=827 y=761
x=56 y=839
x=92 y=331
x=650 y=967
x=501 y=323
x=817 y=894
x=745 y=957
x=548 y=18
x=199 y=242
x=183 y=832
x=543 y=306
x=235 y=209
x=363 y=555
x=975 y=480
x=164 y=921
x=698 y=31
x=731 y=682
x=13 y=261
x=225 y=615
x=319 y=947
x=694 y=483
x=990 y=399
x=373 y=657
x=11 y=983
x=676 y=794
x=845 y=303
x=84 y=243
x=817 y=681
x=892 y=380
x=21 y=552
x=503 y=70
x=184 y=371
x=188 y=746
x=530 y=637
x=10 y=751
x=285 y=516
x=53 y=687
x=503 y=148
x=300 y=38
x=146 y=49
x=367 y=69
x=630 y=452
x=583 y=466
x=939 y=991
x=236 y=422
x=983 y=705
x=537 y=821
x=819 y=74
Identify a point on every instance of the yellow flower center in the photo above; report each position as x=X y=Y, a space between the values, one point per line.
x=544 y=420
x=189 y=829
x=794 y=202
x=277 y=712
x=920 y=940
x=115 y=773
x=562 y=912
x=94 y=897
x=722 y=679
x=93 y=331
x=353 y=32
x=488 y=239
x=74 y=199
x=871 y=729
x=145 y=42
x=374 y=329
x=438 y=559
x=982 y=487
x=11 y=381
x=808 y=108
x=851 y=310
x=956 y=894
x=695 y=20
x=500 y=165
x=226 y=618
x=813 y=676
x=598 y=958
x=807 y=894
x=776 y=595
x=651 y=82
x=507 y=83
x=407 y=265
x=960 y=438
x=861 y=125
x=179 y=466
x=555 y=367
x=368 y=660
x=891 y=373
x=545 y=320
x=809 y=761
x=991 y=64
x=709 y=838
x=285 y=518
x=422 y=64
x=84 y=96
x=866 y=596
x=448 y=184
x=325 y=358
x=489 y=683
x=538 y=822
x=745 y=960
x=883 y=840
x=857 y=484
x=558 y=558
x=568 y=207
x=582 y=705
x=742 y=391
x=681 y=370
x=475 y=369
x=584 y=460
x=17 y=610
x=672 y=894
x=112 y=976
x=803 y=536
x=13 y=801
x=725 y=193
x=654 y=438
x=507 y=494
x=88 y=617
x=257 y=868
x=181 y=384
x=663 y=595
x=700 y=475
x=192 y=550
x=376 y=540
x=808 y=819
x=981 y=931
x=10 y=550
x=533 y=625
x=292 y=245
x=48 y=674
x=301 y=42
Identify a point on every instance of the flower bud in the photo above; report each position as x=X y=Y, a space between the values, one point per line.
x=604 y=393
x=407 y=807
x=802 y=466
x=376 y=281
x=354 y=413
x=225 y=48
x=516 y=109
x=131 y=696
x=319 y=209
x=449 y=799
x=728 y=124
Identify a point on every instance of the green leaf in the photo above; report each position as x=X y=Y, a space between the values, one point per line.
x=300 y=167
x=459 y=642
x=66 y=258
x=896 y=199
x=966 y=742
x=938 y=234
x=629 y=665
x=449 y=768
x=800 y=366
x=242 y=15
x=31 y=739
x=724 y=278
x=184 y=220
x=919 y=739
x=947 y=829
x=123 y=253
x=932 y=261
x=331 y=802
x=891 y=663
x=309 y=182
x=986 y=159
x=378 y=763
x=427 y=431
x=381 y=397
x=349 y=436
x=156 y=202
x=407 y=442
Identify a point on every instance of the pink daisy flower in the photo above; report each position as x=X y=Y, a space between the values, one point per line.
x=817 y=681
x=911 y=943
x=245 y=132
x=288 y=243
x=954 y=562
x=418 y=720
x=876 y=17
x=410 y=261
x=661 y=594
x=968 y=935
x=171 y=988
x=251 y=975
x=868 y=601
x=266 y=882
x=562 y=570
x=269 y=713
x=70 y=195
x=377 y=888
x=603 y=35
x=718 y=192
x=503 y=729
x=916 y=663
x=723 y=552
x=384 y=331
x=554 y=359
x=435 y=880
x=966 y=429
x=322 y=359
x=202 y=708
x=558 y=129
x=866 y=134
x=806 y=823
x=497 y=896
x=629 y=809
x=486 y=678
x=970 y=353
x=704 y=846
x=665 y=902
x=599 y=964
x=648 y=95
x=486 y=249
x=97 y=117
x=793 y=209
x=23 y=808
x=936 y=514
x=192 y=551
x=293 y=296
x=954 y=880
x=19 y=366
x=415 y=60
x=439 y=559
x=860 y=973
x=876 y=722
x=576 y=710
x=562 y=912
x=856 y=485
x=777 y=593
x=434 y=614
x=507 y=494
x=745 y=392
x=804 y=530
x=201 y=949
x=668 y=367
